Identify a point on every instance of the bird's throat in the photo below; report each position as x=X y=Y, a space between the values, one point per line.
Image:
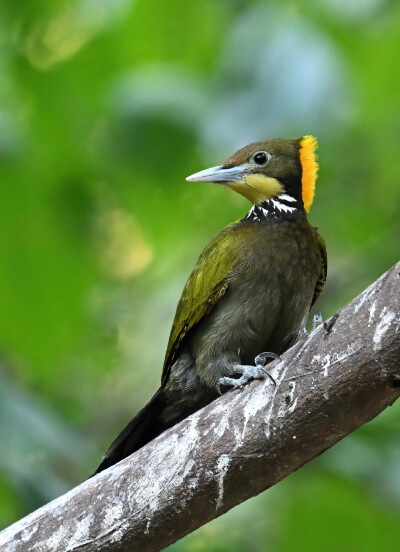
x=280 y=207
x=257 y=187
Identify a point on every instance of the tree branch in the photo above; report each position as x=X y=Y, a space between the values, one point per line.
x=344 y=374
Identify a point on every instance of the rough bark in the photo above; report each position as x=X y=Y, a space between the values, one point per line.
x=345 y=373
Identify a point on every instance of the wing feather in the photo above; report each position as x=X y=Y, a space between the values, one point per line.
x=206 y=285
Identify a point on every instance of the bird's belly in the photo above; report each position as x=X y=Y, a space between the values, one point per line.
x=268 y=320
x=268 y=306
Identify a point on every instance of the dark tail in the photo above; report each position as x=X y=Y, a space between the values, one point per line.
x=144 y=427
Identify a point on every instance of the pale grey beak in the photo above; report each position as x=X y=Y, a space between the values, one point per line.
x=218 y=174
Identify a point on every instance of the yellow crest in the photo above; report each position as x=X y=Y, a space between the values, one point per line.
x=309 y=164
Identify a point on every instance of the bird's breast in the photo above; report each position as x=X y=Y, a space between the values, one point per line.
x=272 y=285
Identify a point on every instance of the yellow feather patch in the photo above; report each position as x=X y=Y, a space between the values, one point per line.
x=308 y=160
x=257 y=187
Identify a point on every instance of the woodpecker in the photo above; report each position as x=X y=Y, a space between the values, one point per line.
x=250 y=293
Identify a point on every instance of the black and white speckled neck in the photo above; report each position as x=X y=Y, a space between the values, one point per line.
x=280 y=207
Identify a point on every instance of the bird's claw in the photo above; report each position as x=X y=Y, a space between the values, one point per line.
x=317 y=320
x=248 y=373
x=261 y=359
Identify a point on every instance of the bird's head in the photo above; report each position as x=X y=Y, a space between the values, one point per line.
x=269 y=169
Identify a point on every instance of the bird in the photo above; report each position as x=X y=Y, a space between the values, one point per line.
x=248 y=297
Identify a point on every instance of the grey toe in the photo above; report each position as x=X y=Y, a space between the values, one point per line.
x=262 y=358
x=317 y=320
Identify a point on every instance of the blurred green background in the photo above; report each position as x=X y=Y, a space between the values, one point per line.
x=105 y=107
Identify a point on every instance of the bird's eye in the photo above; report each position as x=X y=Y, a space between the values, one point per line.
x=261 y=158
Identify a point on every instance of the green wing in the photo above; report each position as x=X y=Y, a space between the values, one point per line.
x=206 y=285
x=319 y=286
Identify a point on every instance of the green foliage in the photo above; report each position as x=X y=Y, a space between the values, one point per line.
x=104 y=109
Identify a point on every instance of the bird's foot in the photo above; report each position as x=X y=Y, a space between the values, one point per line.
x=317 y=320
x=248 y=373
